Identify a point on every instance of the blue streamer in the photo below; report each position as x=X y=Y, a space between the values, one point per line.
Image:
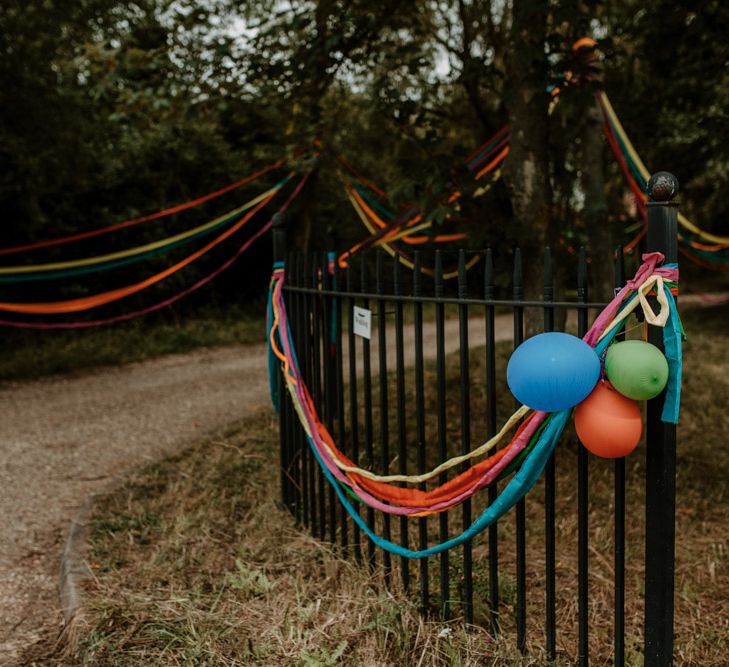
x=516 y=489
x=672 y=336
x=519 y=485
x=273 y=368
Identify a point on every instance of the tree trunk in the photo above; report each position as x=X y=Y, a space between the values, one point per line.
x=526 y=170
x=315 y=88
x=600 y=235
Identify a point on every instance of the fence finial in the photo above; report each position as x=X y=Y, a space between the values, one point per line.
x=662 y=186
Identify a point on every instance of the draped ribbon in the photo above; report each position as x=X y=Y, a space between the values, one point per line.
x=169 y=301
x=629 y=152
x=541 y=430
x=146 y=249
x=145 y=218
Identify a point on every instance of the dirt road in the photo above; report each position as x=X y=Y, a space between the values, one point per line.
x=64 y=438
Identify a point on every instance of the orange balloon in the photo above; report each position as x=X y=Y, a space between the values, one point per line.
x=608 y=423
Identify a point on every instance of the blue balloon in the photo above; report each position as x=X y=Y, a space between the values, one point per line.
x=552 y=371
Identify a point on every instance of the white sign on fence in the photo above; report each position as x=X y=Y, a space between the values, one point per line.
x=362 y=322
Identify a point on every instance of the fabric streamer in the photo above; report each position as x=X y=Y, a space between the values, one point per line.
x=169 y=301
x=540 y=430
x=381 y=237
x=145 y=218
x=641 y=173
x=57 y=270
x=88 y=302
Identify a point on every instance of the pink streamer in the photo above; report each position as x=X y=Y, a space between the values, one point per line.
x=648 y=268
x=167 y=302
x=645 y=270
x=312 y=421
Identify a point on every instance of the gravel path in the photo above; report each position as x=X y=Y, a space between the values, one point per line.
x=64 y=438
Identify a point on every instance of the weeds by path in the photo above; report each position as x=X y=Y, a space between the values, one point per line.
x=195 y=564
x=33 y=354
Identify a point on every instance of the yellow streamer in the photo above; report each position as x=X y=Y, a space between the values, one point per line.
x=636 y=299
x=682 y=219
x=130 y=252
x=393 y=253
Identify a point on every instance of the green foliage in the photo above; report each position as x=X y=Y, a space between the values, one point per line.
x=111 y=110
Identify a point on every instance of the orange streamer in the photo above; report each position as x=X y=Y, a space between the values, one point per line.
x=494 y=163
x=407 y=497
x=629 y=246
x=411 y=240
x=145 y=218
x=88 y=302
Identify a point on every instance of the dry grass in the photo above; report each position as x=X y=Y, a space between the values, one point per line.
x=197 y=565
x=35 y=354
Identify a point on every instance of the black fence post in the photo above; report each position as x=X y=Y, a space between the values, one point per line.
x=619 y=493
x=550 y=499
x=660 y=454
x=330 y=350
x=279 y=255
x=583 y=472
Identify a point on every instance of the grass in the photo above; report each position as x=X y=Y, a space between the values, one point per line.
x=196 y=564
x=32 y=354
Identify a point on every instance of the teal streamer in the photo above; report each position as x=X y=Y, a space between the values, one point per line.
x=117 y=263
x=672 y=337
x=533 y=465
x=713 y=256
x=473 y=164
x=273 y=374
x=517 y=488
x=373 y=202
x=113 y=264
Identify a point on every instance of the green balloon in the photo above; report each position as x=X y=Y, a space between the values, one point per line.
x=636 y=369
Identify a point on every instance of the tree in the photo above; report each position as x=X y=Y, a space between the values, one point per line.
x=527 y=166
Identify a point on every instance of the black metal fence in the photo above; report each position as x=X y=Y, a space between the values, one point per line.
x=424 y=387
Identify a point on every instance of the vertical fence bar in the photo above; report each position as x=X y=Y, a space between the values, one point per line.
x=660 y=454
x=278 y=234
x=420 y=422
x=367 y=390
x=328 y=272
x=549 y=487
x=286 y=486
x=292 y=421
x=582 y=489
x=402 y=454
x=353 y=406
x=316 y=357
x=490 y=321
x=302 y=449
x=341 y=419
x=518 y=295
x=619 y=493
x=465 y=397
x=330 y=384
x=384 y=412
x=307 y=355
x=442 y=438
